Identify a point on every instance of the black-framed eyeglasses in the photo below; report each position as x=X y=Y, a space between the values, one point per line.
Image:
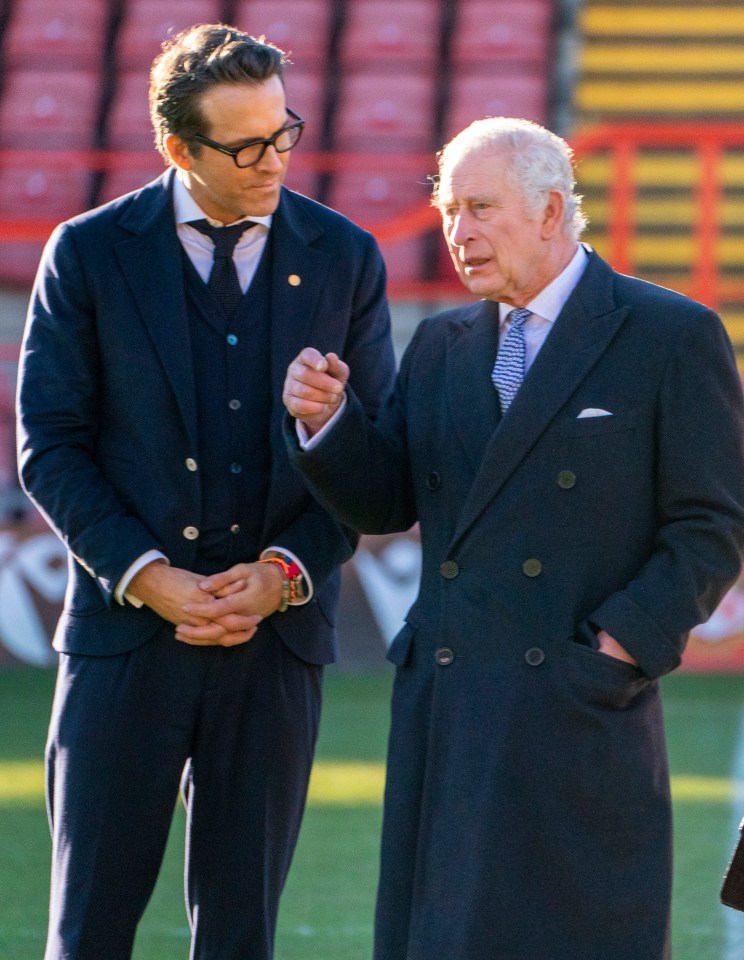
x=251 y=153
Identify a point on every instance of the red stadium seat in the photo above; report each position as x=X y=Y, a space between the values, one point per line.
x=302 y=28
x=489 y=30
x=129 y=118
x=389 y=113
x=42 y=192
x=147 y=23
x=122 y=181
x=372 y=198
x=54 y=33
x=305 y=93
x=390 y=32
x=510 y=95
x=51 y=110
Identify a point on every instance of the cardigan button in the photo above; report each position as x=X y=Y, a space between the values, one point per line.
x=566 y=479
x=449 y=570
x=191 y=533
x=434 y=481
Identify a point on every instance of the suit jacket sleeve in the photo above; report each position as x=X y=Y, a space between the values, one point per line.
x=700 y=504
x=58 y=410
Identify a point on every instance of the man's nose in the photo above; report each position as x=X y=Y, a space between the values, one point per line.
x=461 y=229
x=271 y=160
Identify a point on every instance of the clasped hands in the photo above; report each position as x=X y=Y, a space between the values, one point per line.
x=222 y=610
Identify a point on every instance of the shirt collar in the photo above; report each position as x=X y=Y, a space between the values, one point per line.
x=552 y=299
x=186 y=208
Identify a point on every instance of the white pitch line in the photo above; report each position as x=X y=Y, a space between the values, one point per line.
x=734 y=944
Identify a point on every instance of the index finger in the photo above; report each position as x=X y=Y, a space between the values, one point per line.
x=310 y=357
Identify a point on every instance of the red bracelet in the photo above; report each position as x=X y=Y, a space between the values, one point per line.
x=292 y=580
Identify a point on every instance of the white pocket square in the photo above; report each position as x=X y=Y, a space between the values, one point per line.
x=593 y=412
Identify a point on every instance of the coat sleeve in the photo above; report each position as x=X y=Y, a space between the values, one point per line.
x=700 y=503
x=361 y=470
x=58 y=409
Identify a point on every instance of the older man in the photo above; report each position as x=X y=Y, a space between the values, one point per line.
x=572 y=448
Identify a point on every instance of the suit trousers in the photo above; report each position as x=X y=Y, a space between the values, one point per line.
x=236 y=729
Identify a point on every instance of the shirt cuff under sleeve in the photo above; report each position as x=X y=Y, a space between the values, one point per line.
x=307 y=442
x=120 y=593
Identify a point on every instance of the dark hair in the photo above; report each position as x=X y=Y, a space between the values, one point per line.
x=193 y=62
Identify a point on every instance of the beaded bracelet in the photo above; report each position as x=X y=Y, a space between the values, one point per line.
x=291 y=578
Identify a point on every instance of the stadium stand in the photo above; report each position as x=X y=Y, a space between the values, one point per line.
x=66 y=32
x=674 y=65
x=381 y=84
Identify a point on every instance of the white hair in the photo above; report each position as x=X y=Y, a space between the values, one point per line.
x=538 y=161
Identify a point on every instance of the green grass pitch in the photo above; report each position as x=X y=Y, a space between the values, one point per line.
x=327 y=906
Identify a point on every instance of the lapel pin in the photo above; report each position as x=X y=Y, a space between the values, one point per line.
x=294 y=280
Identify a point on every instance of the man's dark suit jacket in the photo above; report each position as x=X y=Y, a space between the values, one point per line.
x=107 y=417
x=527 y=810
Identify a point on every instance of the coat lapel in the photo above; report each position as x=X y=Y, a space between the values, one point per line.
x=583 y=331
x=151 y=262
x=473 y=401
x=299 y=274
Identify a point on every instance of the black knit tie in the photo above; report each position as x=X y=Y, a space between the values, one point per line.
x=223 y=279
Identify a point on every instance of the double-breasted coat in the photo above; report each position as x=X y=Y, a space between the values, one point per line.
x=527 y=806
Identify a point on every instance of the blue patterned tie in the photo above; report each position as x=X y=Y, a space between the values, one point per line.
x=223 y=279
x=508 y=371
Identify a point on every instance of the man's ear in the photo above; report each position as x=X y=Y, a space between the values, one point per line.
x=553 y=214
x=178 y=151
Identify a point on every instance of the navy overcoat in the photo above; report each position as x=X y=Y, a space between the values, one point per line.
x=527 y=806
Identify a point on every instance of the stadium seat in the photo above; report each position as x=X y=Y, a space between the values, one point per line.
x=389 y=32
x=488 y=30
x=388 y=113
x=372 y=198
x=129 y=126
x=302 y=28
x=124 y=180
x=305 y=92
x=147 y=23
x=510 y=95
x=51 y=110
x=56 y=33
x=42 y=192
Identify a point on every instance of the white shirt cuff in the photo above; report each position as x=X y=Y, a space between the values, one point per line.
x=308 y=442
x=120 y=593
x=275 y=551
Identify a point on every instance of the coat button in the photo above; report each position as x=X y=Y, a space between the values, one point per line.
x=191 y=464
x=534 y=656
x=232 y=339
x=191 y=533
x=566 y=479
x=444 y=656
x=434 y=481
x=532 y=567
x=235 y=528
x=449 y=570
x=234 y=404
